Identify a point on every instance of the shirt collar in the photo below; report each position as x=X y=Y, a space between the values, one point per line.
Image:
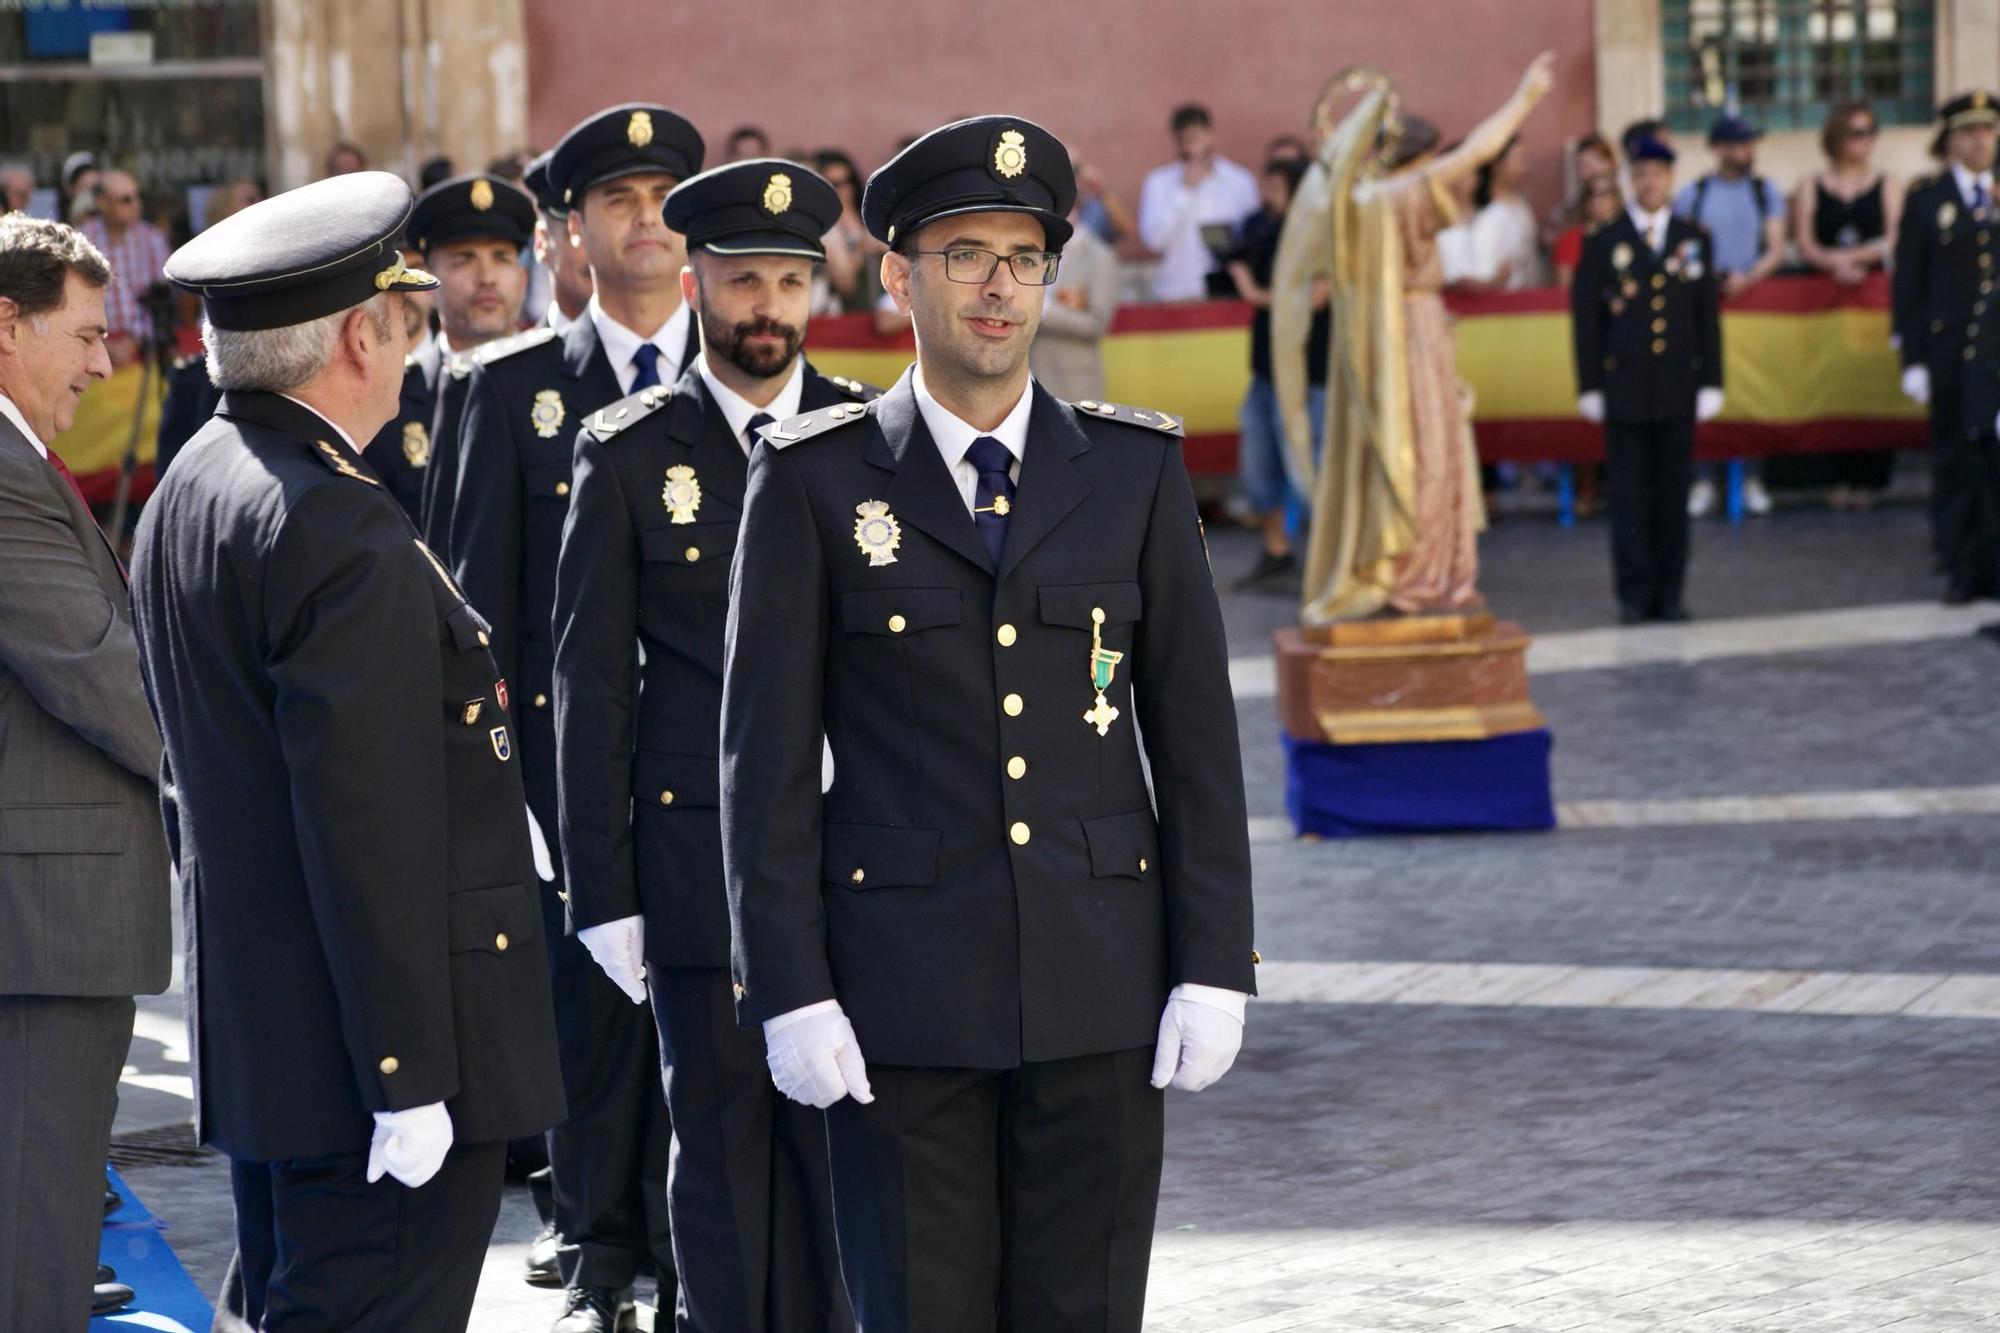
x=737 y=410
x=954 y=436
x=558 y=321
x=1644 y=221
x=331 y=425
x=430 y=354
x=621 y=344
x=1967 y=179
x=13 y=414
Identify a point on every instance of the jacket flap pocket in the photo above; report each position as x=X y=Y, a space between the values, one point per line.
x=688 y=544
x=54 y=830
x=874 y=856
x=1073 y=603
x=899 y=610
x=547 y=481
x=491 y=920
x=671 y=781
x=1127 y=844
x=469 y=629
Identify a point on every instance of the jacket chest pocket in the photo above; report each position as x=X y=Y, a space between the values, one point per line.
x=1083 y=605
x=547 y=483
x=688 y=546
x=897 y=612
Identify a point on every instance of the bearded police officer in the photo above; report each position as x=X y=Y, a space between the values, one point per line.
x=1945 y=257
x=987 y=949
x=658 y=492
x=1648 y=346
x=366 y=990
x=527 y=398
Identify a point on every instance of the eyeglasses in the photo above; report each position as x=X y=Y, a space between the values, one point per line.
x=1860 y=131
x=1031 y=268
x=121 y=198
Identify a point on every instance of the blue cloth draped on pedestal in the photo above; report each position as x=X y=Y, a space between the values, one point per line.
x=1346 y=791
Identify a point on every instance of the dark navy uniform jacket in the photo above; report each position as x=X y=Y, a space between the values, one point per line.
x=400 y=453
x=638 y=744
x=363 y=932
x=987 y=881
x=1646 y=329
x=190 y=402
x=1946 y=252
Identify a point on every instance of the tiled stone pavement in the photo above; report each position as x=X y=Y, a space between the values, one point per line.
x=1398 y=1167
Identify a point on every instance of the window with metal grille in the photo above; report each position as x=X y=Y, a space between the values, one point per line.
x=1783 y=64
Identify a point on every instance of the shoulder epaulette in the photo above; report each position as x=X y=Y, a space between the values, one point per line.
x=458 y=365
x=784 y=434
x=607 y=421
x=855 y=389
x=337 y=460
x=487 y=353
x=1131 y=416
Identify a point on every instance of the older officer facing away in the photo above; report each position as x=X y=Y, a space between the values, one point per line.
x=369 y=1005
x=83 y=867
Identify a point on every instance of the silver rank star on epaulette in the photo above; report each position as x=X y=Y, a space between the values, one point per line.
x=487 y=353
x=606 y=422
x=791 y=430
x=866 y=393
x=1131 y=416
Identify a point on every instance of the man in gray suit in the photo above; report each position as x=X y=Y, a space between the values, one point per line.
x=83 y=864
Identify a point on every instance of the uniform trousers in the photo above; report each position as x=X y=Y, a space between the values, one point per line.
x=1649 y=466
x=1017 y=1200
x=608 y=1160
x=60 y=1057
x=320 y=1250
x=1947 y=422
x=1965 y=491
x=749 y=1190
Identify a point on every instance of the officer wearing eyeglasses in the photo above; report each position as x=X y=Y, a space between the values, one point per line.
x=988 y=949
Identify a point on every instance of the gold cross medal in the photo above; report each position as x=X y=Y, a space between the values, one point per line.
x=877 y=532
x=1103 y=666
x=682 y=493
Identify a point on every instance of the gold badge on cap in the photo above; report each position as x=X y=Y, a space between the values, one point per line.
x=639 y=129
x=1979 y=101
x=1621 y=255
x=778 y=193
x=416 y=444
x=482 y=195
x=547 y=413
x=877 y=532
x=1010 y=155
x=682 y=493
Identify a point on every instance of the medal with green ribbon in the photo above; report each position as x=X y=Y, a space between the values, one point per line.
x=1103 y=666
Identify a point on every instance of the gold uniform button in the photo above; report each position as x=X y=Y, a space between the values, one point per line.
x=1142 y=865
x=390 y=1064
x=562 y=488
x=1971 y=352
x=1659 y=303
x=1256 y=959
x=1986 y=261
x=666 y=798
x=897 y=624
x=1017 y=768
x=858 y=875
x=1097 y=615
x=1937 y=326
x=1006 y=634
x=693 y=554
x=1019 y=833
x=1659 y=346
x=1012 y=705
x=484 y=639
x=1659 y=326
x=1659 y=280
x=541 y=701
x=500 y=941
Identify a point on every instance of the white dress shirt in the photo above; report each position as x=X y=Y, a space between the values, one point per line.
x=560 y=322
x=954 y=436
x=1171 y=216
x=1646 y=222
x=13 y=414
x=622 y=344
x=1967 y=180
x=737 y=410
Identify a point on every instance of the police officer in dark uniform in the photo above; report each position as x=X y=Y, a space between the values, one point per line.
x=190 y=402
x=1648 y=366
x=469 y=232
x=366 y=989
x=527 y=398
x=988 y=948
x=1945 y=257
x=658 y=492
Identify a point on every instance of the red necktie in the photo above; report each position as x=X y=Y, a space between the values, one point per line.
x=57 y=463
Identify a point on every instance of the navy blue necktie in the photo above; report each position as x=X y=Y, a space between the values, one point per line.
x=1978 y=195
x=756 y=423
x=994 y=499
x=647 y=358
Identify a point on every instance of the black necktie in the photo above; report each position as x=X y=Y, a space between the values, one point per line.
x=756 y=423
x=647 y=358
x=994 y=499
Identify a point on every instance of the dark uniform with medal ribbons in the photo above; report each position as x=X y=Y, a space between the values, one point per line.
x=364 y=940
x=525 y=401
x=1648 y=343
x=658 y=494
x=1946 y=252
x=988 y=892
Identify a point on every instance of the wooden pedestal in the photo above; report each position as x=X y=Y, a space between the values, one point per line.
x=1404 y=678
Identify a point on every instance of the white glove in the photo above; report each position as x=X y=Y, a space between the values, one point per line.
x=1591 y=406
x=410 y=1145
x=545 y=865
x=1917 y=385
x=619 y=947
x=1200 y=1033
x=1707 y=404
x=814 y=1057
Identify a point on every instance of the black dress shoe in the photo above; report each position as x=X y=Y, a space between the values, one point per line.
x=1674 y=614
x=1268 y=569
x=1631 y=615
x=542 y=1268
x=593 y=1310
x=1960 y=594
x=106 y=1273
x=108 y=1296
